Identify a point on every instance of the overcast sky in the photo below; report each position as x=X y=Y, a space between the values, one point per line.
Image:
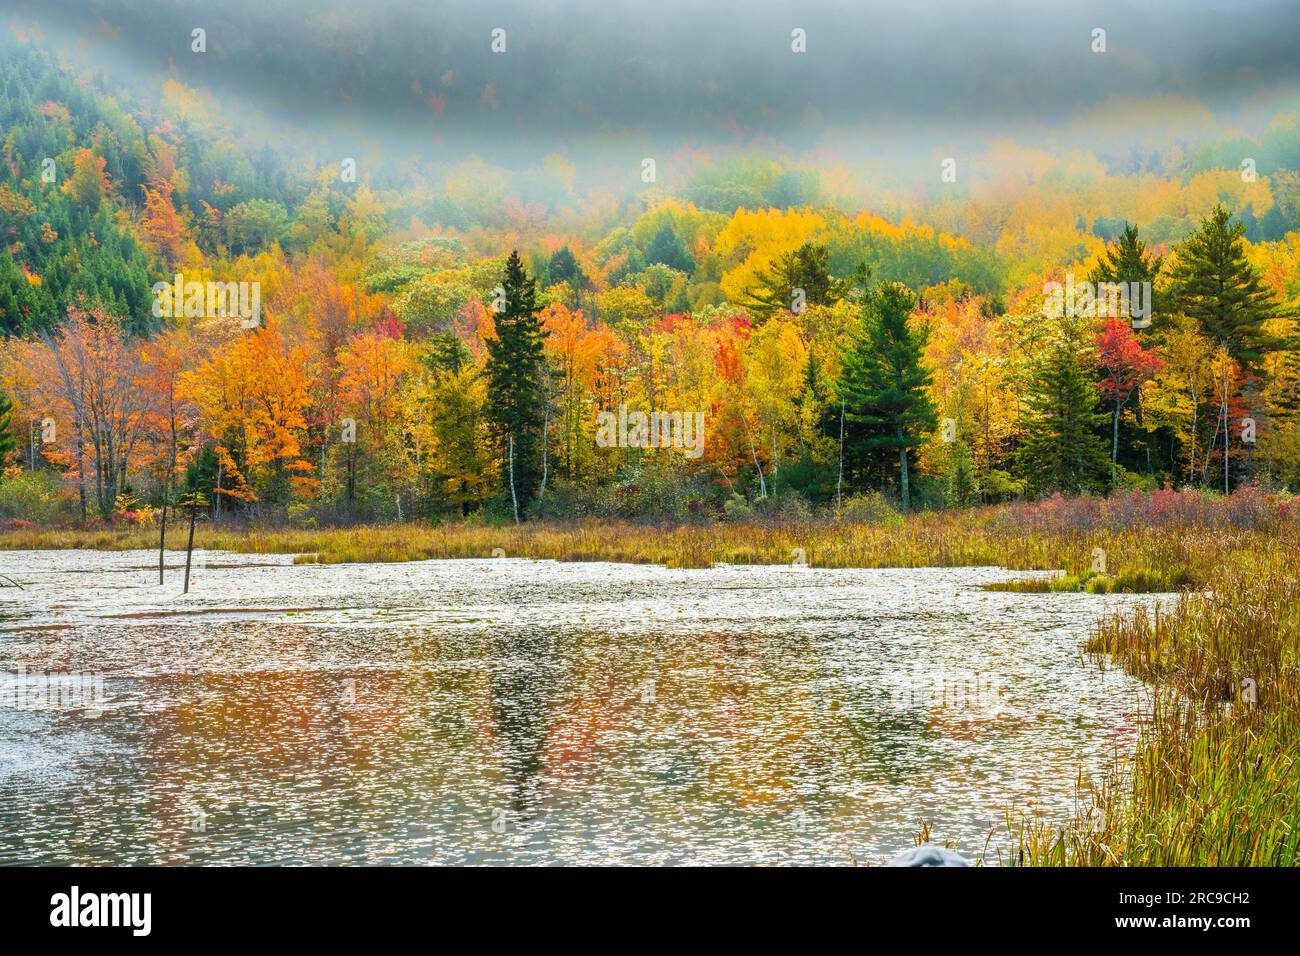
x=683 y=70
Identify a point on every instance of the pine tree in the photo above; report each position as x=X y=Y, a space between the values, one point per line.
x=807 y=268
x=564 y=268
x=1063 y=449
x=1215 y=285
x=668 y=248
x=445 y=352
x=1128 y=261
x=883 y=382
x=515 y=392
x=963 y=484
x=8 y=443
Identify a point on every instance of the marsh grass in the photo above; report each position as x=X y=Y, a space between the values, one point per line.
x=1141 y=558
x=1137 y=580
x=1215 y=780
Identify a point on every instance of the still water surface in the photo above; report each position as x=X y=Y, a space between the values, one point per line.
x=533 y=712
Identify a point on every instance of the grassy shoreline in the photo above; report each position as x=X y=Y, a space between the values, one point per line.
x=1215 y=780
x=1216 y=776
x=1140 y=559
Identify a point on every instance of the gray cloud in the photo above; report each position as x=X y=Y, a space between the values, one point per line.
x=420 y=73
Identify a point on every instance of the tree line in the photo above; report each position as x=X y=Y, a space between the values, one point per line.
x=820 y=390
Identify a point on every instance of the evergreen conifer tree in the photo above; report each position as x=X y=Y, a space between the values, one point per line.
x=883 y=383
x=1216 y=285
x=515 y=385
x=1063 y=449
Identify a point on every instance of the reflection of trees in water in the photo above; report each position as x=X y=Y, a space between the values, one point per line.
x=522 y=694
x=248 y=749
x=889 y=740
x=730 y=714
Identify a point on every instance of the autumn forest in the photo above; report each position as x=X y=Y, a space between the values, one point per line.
x=651 y=434
x=445 y=350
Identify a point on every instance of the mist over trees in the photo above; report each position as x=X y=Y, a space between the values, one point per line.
x=439 y=340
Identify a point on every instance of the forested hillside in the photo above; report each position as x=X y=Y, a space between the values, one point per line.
x=849 y=341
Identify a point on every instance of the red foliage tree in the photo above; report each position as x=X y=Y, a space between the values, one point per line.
x=1125 y=365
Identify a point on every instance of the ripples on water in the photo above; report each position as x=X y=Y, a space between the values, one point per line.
x=514 y=711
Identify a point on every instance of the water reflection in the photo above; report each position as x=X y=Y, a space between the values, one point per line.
x=529 y=712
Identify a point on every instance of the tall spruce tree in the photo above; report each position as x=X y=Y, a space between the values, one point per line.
x=883 y=383
x=515 y=390
x=1128 y=261
x=1215 y=285
x=1063 y=449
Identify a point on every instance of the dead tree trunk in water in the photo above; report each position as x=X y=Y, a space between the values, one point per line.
x=189 y=548
x=162 y=535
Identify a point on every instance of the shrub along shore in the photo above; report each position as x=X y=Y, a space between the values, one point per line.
x=1216 y=776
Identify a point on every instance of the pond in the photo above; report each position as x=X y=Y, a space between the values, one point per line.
x=516 y=711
